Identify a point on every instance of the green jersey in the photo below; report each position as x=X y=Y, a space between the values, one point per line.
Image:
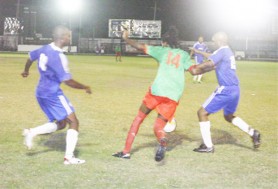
x=169 y=81
x=117 y=49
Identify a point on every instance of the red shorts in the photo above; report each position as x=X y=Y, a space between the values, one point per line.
x=163 y=105
x=118 y=53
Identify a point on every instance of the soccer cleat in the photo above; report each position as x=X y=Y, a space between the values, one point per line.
x=160 y=153
x=73 y=161
x=204 y=149
x=28 y=138
x=122 y=155
x=256 y=139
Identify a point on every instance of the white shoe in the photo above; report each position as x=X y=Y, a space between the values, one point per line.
x=73 y=161
x=28 y=138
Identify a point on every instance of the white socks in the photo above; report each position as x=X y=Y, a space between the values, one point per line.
x=205 y=131
x=71 y=141
x=206 y=135
x=197 y=78
x=44 y=129
x=243 y=125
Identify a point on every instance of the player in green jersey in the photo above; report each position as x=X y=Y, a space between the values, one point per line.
x=118 y=53
x=165 y=92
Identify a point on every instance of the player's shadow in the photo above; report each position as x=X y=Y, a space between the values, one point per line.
x=54 y=142
x=174 y=140
x=220 y=137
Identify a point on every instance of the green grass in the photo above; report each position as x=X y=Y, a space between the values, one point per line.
x=105 y=117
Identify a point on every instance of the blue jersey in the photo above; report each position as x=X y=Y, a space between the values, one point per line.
x=224 y=61
x=53 y=69
x=199 y=58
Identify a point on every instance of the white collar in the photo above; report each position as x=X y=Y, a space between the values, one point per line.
x=55 y=47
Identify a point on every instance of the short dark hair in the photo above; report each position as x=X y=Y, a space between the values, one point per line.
x=59 y=32
x=171 y=37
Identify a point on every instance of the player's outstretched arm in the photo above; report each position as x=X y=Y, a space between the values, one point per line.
x=133 y=43
x=28 y=64
x=202 y=68
x=76 y=85
x=205 y=54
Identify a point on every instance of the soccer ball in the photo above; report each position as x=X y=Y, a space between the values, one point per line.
x=170 y=126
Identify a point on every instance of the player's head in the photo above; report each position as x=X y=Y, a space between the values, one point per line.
x=171 y=37
x=220 y=39
x=201 y=39
x=61 y=34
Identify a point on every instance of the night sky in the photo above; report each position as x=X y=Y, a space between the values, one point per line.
x=191 y=17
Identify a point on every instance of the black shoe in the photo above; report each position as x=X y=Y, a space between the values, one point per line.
x=204 y=149
x=256 y=138
x=160 y=153
x=121 y=155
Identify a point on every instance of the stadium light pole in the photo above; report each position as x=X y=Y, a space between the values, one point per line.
x=154 y=9
x=17 y=8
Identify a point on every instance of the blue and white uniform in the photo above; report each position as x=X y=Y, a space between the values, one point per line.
x=53 y=69
x=226 y=96
x=199 y=58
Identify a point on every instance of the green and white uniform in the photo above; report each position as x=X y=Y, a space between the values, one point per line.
x=169 y=81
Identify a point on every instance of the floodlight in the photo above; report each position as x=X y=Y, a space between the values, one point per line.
x=242 y=13
x=70 y=6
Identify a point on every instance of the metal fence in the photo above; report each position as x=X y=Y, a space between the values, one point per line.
x=255 y=50
x=8 y=43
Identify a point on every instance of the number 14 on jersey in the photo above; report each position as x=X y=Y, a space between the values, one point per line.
x=175 y=60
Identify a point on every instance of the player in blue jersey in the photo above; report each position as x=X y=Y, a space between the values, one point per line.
x=199 y=58
x=225 y=97
x=53 y=69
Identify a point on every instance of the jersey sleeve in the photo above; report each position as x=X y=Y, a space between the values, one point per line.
x=154 y=51
x=195 y=45
x=62 y=71
x=206 y=48
x=187 y=62
x=216 y=56
x=35 y=54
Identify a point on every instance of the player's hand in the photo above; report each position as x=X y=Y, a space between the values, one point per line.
x=191 y=48
x=24 y=74
x=88 y=90
x=125 y=34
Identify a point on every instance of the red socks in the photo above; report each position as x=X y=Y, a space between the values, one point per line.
x=159 y=132
x=133 y=131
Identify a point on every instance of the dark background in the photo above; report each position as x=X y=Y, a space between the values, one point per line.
x=191 y=17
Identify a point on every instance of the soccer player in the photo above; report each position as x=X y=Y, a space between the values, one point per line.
x=199 y=58
x=118 y=53
x=165 y=92
x=225 y=97
x=53 y=69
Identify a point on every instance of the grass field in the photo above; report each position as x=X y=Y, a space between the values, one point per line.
x=106 y=115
